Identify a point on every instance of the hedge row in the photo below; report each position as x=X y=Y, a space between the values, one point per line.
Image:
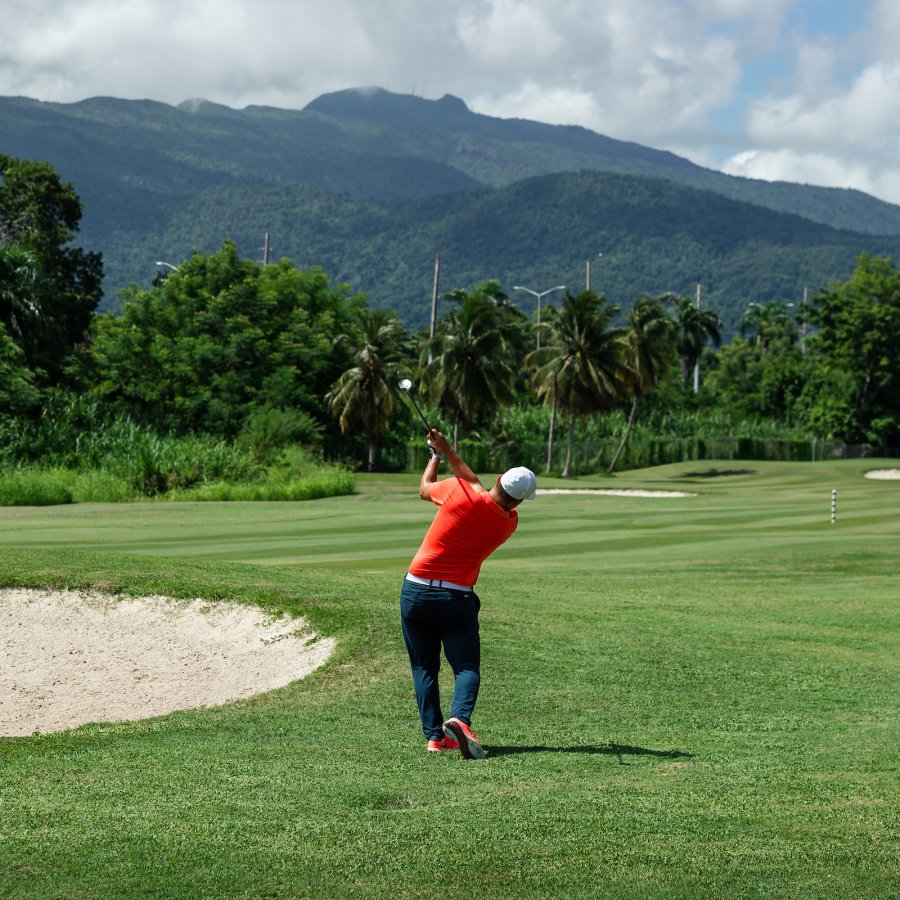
x=594 y=456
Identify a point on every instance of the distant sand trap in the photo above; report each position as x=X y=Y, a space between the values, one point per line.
x=885 y=474
x=71 y=657
x=615 y=493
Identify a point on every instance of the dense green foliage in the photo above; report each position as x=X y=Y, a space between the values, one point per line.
x=48 y=289
x=656 y=236
x=857 y=341
x=364 y=396
x=81 y=450
x=365 y=184
x=470 y=367
x=583 y=364
x=219 y=339
x=206 y=377
x=651 y=340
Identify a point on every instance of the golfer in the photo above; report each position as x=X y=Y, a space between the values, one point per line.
x=438 y=603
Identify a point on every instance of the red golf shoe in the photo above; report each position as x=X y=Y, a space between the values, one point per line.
x=457 y=730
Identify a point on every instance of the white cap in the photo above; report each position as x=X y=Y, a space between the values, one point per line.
x=519 y=483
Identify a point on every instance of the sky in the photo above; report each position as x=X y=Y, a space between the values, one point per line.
x=792 y=90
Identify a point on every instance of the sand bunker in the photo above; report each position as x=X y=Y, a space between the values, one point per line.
x=885 y=474
x=615 y=493
x=71 y=657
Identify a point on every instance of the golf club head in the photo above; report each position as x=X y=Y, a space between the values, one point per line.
x=405 y=385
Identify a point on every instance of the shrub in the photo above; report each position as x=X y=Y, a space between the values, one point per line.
x=268 y=430
x=155 y=465
x=325 y=483
x=33 y=487
x=99 y=486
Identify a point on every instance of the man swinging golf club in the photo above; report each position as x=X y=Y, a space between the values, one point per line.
x=438 y=603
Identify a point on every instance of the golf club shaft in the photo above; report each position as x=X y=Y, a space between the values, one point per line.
x=419 y=411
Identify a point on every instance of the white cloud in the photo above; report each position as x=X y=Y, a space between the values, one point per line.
x=830 y=130
x=638 y=72
x=231 y=51
x=816 y=168
x=660 y=72
x=627 y=69
x=865 y=113
x=504 y=32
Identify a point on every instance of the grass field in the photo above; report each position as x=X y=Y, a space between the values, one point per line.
x=681 y=698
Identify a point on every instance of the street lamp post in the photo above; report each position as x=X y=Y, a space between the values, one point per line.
x=804 y=324
x=539 y=295
x=168 y=265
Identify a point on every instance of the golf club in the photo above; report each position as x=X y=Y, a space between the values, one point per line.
x=405 y=385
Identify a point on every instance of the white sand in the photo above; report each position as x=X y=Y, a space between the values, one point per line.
x=884 y=474
x=614 y=493
x=68 y=658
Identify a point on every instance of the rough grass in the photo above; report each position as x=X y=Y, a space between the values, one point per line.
x=33 y=486
x=681 y=698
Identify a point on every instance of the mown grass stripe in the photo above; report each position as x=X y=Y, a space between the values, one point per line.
x=691 y=702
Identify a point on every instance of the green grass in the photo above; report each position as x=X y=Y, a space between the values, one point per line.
x=36 y=486
x=688 y=698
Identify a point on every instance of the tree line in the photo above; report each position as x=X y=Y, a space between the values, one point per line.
x=274 y=354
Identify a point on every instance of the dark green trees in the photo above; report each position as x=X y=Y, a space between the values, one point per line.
x=650 y=344
x=857 y=347
x=365 y=396
x=581 y=366
x=474 y=356
x=696 y=328
x=218 y=339
x=48 y=289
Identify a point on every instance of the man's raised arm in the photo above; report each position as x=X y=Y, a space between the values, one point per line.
x=459 y=468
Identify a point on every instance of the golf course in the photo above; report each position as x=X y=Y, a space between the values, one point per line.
x=691 y=690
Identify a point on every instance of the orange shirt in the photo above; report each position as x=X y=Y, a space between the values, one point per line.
x=466 y=530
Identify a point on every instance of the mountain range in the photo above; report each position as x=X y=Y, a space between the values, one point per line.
x=371 y=185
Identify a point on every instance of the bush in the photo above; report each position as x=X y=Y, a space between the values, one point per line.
x=99 y=486
x=34 y=487
x=334 y=483
x=156 y=465
x=268 y=430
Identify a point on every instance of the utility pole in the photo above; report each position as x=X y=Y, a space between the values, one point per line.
x=804 y=325
x=697 y=364
x=434 y=299
x=265 y=259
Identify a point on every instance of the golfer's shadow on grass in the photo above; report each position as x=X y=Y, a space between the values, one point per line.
x=619 y=750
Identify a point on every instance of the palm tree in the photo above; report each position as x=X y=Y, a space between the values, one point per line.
x=18 y=310
x=695 y=328
x=766 y=324
x=581 y=366
x=365 y=395
x=474 y=356
x=651 y=341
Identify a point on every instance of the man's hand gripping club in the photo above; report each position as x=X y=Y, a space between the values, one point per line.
x=457 y=465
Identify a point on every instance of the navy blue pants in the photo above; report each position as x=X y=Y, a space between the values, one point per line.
x=433 y=617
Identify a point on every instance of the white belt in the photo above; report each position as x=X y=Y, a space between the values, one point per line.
x=434 y=582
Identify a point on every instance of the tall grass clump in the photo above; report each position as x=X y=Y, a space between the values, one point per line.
x=156 y=465
x=295 y=474
x=78 y=450
x=34 y=487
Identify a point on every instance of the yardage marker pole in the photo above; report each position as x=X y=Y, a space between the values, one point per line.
x=833 y=507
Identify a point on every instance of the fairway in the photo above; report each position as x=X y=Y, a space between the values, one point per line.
x=682 y=697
